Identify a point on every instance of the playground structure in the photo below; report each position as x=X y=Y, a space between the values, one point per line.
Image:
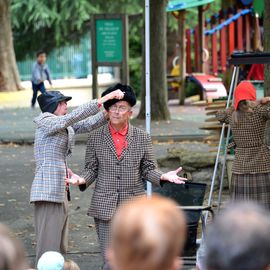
x=205 y=49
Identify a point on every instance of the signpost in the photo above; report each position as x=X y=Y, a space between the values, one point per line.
x=109 y=36
x=109 y=40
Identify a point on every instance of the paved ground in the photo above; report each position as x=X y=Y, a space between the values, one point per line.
x=17 y=172
x=16 y=118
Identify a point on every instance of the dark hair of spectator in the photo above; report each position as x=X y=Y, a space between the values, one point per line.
x=239 y=239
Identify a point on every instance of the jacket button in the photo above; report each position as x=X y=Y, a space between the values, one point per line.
x=118 y=177
x=117 y=163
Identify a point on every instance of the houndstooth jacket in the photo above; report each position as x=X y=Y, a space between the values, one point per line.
x=116 y=179
x=54 y=140
x=251 y=154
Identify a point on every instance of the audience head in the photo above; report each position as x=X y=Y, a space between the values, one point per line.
x=12 y=255
x=71 y=265
x=51 y=260
x=147 y=234
x=239 y=238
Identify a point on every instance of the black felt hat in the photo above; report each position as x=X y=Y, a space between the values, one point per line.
x=49 y=101
x=129 y=95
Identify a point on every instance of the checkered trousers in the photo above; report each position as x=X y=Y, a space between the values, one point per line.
x=117 y=180
x=103 y=229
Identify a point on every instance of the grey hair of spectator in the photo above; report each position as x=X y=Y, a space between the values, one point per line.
x=239 y=238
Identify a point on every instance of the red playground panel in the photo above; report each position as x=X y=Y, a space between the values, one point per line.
x=212 y=86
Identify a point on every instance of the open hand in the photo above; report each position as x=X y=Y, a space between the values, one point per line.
x=173 y=177
x=265 y=100
x=75 y=180
x=117 y=94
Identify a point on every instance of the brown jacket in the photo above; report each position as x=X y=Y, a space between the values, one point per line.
x=251 y=155
x=117 y=179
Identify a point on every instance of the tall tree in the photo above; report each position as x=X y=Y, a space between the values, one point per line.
x=9 y=76
x=158 y=53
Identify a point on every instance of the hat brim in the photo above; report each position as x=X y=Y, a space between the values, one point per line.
x=65 y=98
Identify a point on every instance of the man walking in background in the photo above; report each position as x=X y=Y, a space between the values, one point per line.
x=40 y=73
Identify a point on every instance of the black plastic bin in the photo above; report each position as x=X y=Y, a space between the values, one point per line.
x=189 y=194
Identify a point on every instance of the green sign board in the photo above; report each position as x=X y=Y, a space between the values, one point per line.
x=109 y=40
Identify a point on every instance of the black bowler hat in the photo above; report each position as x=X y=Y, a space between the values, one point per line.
x=49 y=101
x=129 y=95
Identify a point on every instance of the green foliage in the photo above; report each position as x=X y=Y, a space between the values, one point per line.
x=135 y=52
x=46 y=24
x=192 y=15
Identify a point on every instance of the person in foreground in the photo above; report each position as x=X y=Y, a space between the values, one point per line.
x=239 y=239
x=147 y=234
x=119 y=157
x=247 y=119
x=54 y=140
x=12 y=253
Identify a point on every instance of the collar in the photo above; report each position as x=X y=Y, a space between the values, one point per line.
x=123 y=132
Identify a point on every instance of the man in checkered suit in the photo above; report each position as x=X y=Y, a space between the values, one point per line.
x=53 y=144
x=118 y=157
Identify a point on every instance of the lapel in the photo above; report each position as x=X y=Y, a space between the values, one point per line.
x=129 y=139
x=109 y=141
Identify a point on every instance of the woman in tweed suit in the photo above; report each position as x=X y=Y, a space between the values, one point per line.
x=251 y=167
x=53 y=144
x=118 y=157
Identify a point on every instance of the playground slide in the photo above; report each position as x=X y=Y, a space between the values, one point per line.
x=212 y=86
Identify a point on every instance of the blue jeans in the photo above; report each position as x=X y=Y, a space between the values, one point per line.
x=37 y=87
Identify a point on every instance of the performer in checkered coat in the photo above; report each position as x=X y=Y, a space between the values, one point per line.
x=53 y=144
x=118 y=157
x=251 y=167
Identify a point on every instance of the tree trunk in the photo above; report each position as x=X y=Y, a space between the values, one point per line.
x=181 y=40
x=9 y=75
x=266 y=43
x=158 y=54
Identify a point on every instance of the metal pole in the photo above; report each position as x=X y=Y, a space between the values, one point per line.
x=233 y=85
x=223 y=167
x=147 y=79
x=235 y=74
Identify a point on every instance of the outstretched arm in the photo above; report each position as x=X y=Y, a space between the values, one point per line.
x=90 y=123
x=151 y=173
x=223 y=115
x=57 y=123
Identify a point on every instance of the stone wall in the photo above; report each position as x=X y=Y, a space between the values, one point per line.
x=197 y=164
